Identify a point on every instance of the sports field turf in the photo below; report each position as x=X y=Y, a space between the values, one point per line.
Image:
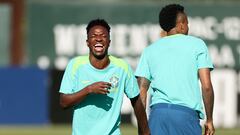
x=126 y=129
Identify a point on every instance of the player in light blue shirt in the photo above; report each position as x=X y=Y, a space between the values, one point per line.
x=171 y=67
x=94 y=85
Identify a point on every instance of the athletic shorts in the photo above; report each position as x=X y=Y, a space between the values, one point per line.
x=170 y=119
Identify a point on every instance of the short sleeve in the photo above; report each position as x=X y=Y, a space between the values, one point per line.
x=203 y=58
x=131 y=86
x=142 y=69
x=67 y=84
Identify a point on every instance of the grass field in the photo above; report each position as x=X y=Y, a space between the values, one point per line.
x=126 y=129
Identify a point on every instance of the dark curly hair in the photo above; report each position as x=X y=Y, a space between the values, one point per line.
x=168 y=16
x=100 y=22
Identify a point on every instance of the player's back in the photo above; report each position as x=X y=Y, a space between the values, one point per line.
x=173 y=65
x=175 y=54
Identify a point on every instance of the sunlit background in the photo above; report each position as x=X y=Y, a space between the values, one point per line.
x=39 y=37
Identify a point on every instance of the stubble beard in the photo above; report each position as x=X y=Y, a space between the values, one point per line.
x=101 y=56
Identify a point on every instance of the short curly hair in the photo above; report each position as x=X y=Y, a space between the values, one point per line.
x=168 y=16
x=100 y=22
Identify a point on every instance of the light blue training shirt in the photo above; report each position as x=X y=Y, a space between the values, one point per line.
x=98 y=114
x=172 y=64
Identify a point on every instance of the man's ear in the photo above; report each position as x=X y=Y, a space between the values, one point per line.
x=179 y=27
x=182 y=27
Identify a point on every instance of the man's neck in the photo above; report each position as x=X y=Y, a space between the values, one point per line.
x=172 y=32
x=99 y=63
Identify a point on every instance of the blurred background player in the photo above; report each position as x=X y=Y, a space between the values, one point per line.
x=172 y=66
x=94 y=86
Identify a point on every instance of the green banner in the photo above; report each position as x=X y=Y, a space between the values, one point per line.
x=56 y=31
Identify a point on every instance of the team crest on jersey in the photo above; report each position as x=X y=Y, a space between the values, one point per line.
x=114 y=82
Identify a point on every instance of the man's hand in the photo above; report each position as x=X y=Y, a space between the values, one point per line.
x=99 y=88
x=209 y=128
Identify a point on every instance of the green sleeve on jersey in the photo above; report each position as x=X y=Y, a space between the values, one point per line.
x=78 y=61
x=120 y=63
x=68 y=80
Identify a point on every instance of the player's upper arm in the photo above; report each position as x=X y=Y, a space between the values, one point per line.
x=143 y=83
x=67 y=83
x=203 y=57
x=143 y=68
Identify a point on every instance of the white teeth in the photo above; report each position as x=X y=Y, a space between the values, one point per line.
x=98 y=45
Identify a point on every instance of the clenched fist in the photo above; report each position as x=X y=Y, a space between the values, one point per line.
x=99 y=88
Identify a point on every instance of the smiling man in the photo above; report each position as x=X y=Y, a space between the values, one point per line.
x=94 y=85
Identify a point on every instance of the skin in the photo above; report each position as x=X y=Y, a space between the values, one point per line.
x=208 y=99
x=204 y=76
x=98 y=35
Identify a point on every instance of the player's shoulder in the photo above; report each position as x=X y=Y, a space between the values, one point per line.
x=194 y=38
x=151 y=47
x=197 y=42
x=82 y=59
x=119 y=62
x=79 y=60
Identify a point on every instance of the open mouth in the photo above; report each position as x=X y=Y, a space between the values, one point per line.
x=98 y=47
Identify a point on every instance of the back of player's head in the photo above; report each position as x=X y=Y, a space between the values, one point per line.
x=96 y=22
x=168 y=16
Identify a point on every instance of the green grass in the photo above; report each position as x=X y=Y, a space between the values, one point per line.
x=126 y=129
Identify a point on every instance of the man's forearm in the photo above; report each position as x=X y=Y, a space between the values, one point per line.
x=208 y=99
x=141 y=116
x=68 y=100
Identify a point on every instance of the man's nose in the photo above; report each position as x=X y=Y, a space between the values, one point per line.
x=99 y=38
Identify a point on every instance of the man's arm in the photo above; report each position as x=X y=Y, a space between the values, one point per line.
x=143 y=84
x=141 y=116
x=208 y=99
x=68 y=100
